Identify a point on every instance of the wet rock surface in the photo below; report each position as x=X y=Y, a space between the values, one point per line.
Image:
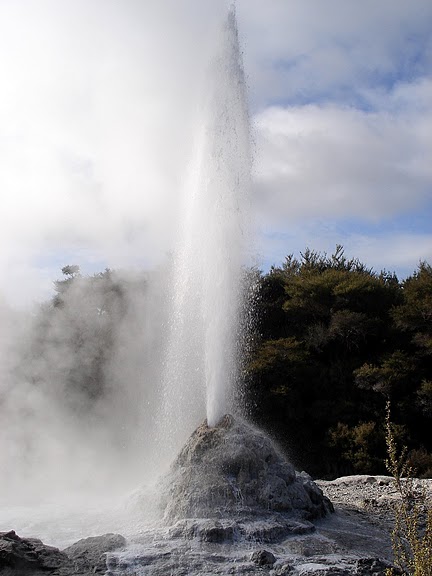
x=233 y=469
x=357 y=551
x=90 y=554
x=25 y=556
x=355 y=541
x=269 y=528
x=263 y=558
x=28 y=556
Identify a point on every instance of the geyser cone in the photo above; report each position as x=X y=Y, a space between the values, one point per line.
x=235 y=469
x=201 y=361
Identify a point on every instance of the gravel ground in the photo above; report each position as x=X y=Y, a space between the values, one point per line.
x=376 y=496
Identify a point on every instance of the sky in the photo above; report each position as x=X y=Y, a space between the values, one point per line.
x=98 y=105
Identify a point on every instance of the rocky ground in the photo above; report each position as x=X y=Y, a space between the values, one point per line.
x=231 y=504
x=355 y=540
x=29 y=556
x=371 y=497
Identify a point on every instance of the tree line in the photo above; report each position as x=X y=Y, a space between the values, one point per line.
x=333 y=341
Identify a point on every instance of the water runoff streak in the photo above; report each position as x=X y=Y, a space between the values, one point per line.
x=201 y=366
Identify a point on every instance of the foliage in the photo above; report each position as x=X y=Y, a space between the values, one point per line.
x=336 y=341
x=395 y=371
x=424 y=394
x=420 y=459
x=359 y=446
x=412 y=533
x=415 y=314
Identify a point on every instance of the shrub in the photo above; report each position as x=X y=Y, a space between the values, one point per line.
x=412 y=532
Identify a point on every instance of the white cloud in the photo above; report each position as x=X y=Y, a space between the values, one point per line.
x=332 y=161
x=349 y=133
x=303 y=50
x=395 y=252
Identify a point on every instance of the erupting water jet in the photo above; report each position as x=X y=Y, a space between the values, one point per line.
x=201 y=364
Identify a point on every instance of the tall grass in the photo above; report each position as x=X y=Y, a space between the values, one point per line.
x=412 y=532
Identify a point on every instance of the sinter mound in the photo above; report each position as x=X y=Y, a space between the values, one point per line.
x=235 y=468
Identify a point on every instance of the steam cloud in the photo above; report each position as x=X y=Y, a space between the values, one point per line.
x=106 y=111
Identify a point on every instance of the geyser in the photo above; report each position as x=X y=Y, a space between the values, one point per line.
x=227 y=468
x=201 y=361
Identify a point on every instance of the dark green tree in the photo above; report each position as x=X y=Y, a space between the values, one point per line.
x=322 y=318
